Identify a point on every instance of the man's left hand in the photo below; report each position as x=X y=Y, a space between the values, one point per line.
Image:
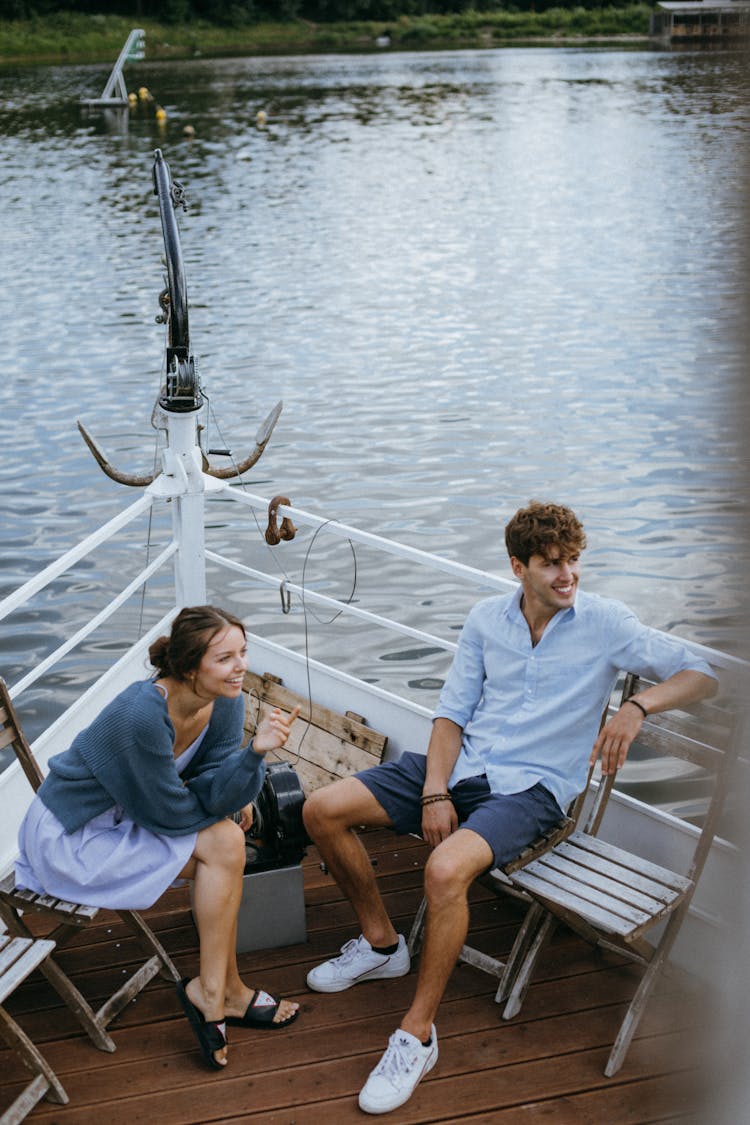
x=615 y=739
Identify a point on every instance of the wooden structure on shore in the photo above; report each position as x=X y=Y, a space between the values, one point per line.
x=115 y=93
x=716 y=20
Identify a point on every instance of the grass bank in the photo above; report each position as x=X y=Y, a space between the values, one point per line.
x=71 y=37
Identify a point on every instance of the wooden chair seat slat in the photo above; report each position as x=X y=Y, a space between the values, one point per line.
x=592 y=904
x=8 y=886
x=542 y=844
x=20 y=956
x=641 y=894
x=619 y=858
x=618 y=866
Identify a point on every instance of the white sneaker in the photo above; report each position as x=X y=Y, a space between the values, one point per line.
x=395 y=1078
x=359 y=962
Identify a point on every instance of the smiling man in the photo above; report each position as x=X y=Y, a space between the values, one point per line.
x=515 y=728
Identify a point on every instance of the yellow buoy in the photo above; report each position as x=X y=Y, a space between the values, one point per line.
x=261 y=117
x=132 y=100
x=161 y=114
x=143 y=93
x=188 y=131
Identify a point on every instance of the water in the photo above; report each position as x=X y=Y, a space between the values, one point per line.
x=473 y=277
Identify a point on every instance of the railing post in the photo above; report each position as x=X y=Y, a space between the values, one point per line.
x=182 y=462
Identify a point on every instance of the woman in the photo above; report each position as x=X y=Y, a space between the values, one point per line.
x=142 y=797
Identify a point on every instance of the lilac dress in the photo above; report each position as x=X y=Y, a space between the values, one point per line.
x=110 y=861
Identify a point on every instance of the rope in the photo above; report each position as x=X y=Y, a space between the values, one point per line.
x=306 y=610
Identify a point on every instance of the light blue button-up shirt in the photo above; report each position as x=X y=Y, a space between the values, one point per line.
x=532 y=713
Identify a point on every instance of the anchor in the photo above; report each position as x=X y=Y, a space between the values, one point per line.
x=181 y=391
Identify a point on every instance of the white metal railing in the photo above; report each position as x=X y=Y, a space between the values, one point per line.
x=461 y=571
x=344 y=531
x=25 y=593
x=413 y=554
x=94 y=622
x=65 y=562
x=308 y=595
x=353 y=534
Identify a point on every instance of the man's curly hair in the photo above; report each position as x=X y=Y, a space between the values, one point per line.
x=534 y=530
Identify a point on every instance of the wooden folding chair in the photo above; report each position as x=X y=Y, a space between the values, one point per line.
x=72 y=917
x=500 y=882
x=613 y=897
x=18 y=958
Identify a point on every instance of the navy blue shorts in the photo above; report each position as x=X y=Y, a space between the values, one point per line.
x=508 y=822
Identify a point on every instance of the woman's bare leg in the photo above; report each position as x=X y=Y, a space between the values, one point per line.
x=238 y=995
x=216 y=870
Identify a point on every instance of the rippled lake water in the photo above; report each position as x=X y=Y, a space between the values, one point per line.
x=473 y=277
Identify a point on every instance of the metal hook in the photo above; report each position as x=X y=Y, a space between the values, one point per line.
x=286 y=598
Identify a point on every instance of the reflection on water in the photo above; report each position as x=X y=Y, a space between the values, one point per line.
x=473 y=278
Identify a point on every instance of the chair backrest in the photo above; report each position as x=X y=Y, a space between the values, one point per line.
x=595 y=812
x=11 y=734
x=707 y=736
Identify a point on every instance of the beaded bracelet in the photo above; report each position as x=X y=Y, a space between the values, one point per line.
x=433 y=797
x=640 y=706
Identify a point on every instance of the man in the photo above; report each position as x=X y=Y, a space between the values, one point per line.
x=511 y=742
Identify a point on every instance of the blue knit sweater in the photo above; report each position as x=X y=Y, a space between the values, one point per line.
x=125 y=757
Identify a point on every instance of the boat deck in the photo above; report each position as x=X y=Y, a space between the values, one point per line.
x=546 y=1065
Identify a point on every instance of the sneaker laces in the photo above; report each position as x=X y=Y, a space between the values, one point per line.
x=348 y=952
x=398 y=1060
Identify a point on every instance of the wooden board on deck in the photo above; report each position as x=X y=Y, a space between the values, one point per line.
x=323 y=745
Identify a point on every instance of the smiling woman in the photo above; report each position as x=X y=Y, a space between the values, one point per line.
x=202 y=660
x=142 y=797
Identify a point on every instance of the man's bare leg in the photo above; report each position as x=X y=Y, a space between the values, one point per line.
x=412 y=1049
x=331 y=816
x=450 y=871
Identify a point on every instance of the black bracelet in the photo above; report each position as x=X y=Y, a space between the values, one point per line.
x=640 y=706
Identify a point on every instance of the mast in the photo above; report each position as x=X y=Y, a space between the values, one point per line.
x=181 y=400
x=185 y=475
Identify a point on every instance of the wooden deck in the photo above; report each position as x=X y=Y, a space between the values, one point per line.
x=544 y=1066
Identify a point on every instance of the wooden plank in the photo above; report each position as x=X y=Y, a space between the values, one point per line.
x=552 y=1053
x=348 y=729
x=7 y=735
x=568 y=899
x=618 y=867
x=74 y=913
x=19 y=958
x=542 y=843
x=592 y=877
x=627 y=1103
x=323 y=745
x=650 y=870
x=312 y=776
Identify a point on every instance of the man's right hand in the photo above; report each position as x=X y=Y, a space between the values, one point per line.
x=439 y=820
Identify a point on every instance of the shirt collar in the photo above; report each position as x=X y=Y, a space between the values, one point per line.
x=514 y=612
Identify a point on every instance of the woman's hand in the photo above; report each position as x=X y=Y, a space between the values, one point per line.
x=273 y=731
x=246 y=818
